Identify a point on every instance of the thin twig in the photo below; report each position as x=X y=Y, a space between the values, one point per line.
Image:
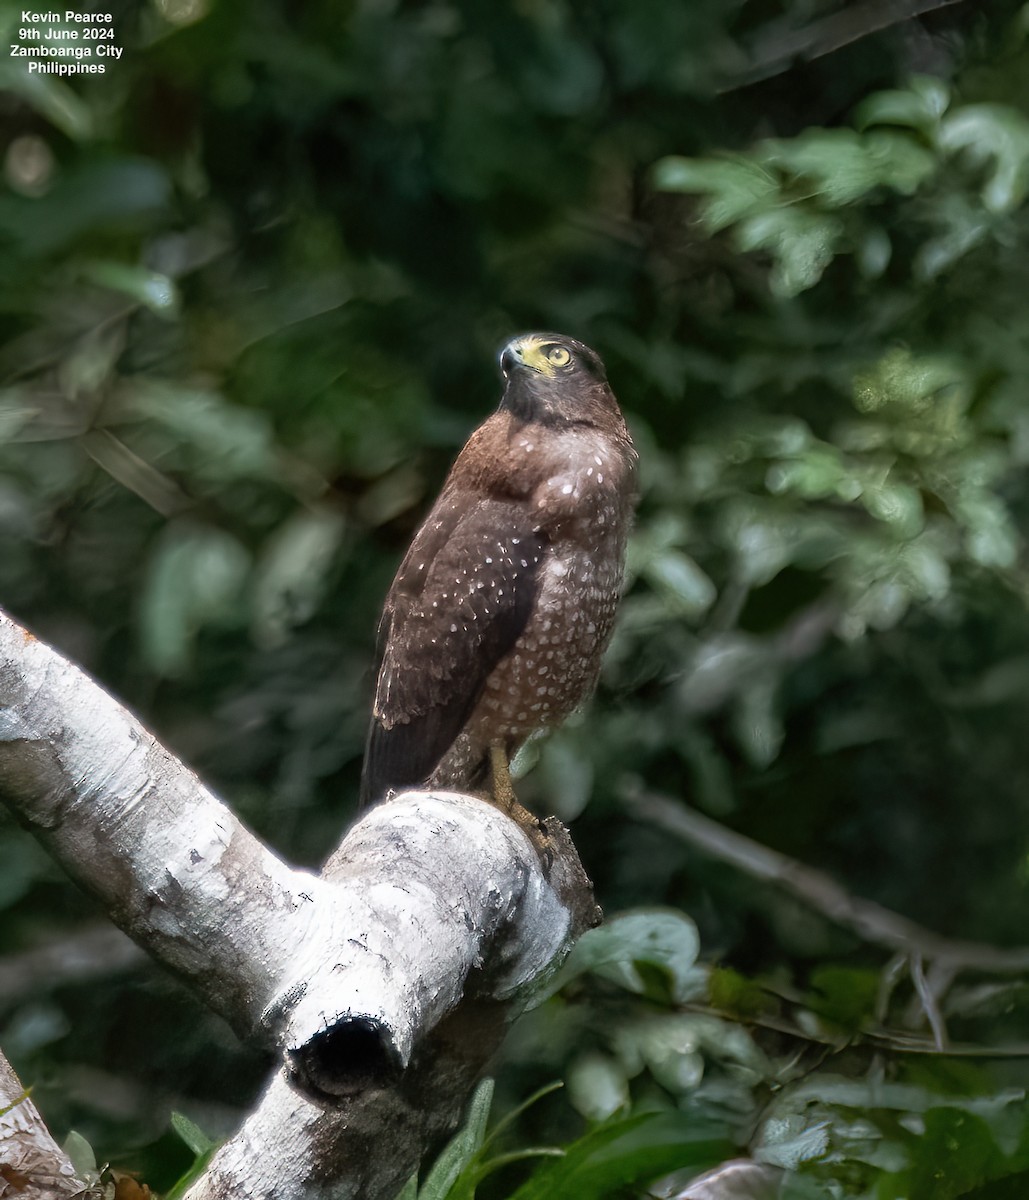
x=869 y=920
x=889 y=977
x=895 y=1041
x=928 y=1002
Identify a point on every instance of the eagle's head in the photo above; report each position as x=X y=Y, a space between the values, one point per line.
x=556 y=380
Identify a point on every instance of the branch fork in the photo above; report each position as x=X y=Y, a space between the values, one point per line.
x=382 y=984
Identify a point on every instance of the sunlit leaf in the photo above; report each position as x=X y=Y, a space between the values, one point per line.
x=905 y=381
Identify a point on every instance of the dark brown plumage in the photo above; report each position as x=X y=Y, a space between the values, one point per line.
x=499 y=615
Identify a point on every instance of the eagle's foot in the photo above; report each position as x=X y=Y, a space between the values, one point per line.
x=503 y=796
x=501 y=787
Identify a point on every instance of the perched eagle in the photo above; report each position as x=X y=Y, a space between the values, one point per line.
x=499 y=615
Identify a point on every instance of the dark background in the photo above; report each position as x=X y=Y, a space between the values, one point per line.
x=252 y=283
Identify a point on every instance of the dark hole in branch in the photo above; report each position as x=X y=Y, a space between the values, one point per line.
x=343 y=1061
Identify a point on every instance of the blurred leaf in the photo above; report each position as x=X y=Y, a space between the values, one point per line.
x=991 y=538
x=841 y=165
x=96 y=197
x=675 y=1047
x=620 y=948
x=998 y=133
x=711 y=772
x=954 y=1154
x=291 y=574
x=733 y=188
x=195 y=578
x=845 y=995
x=597 y=1087
x=623 y=1152
x=16 y=412
x=81 y=1154
x=149 y=288
x=678 y=575
x=51 y=98
x=901 y=380
x=192 y=1134
x=789 y=1144
x=757 y=722
x=91 y=363
x=962 y=226
x=567 y=773
x=873 y=252
x=735 y=994
x=802 y=244
x=410 y=1191
x=229 y=442
x=896 y=504
x=821 y=471
x=919 y=107
x=461 y=1150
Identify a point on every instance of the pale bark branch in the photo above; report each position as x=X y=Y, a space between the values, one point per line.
x=384 y=983
x=170 y=864
x=31 y=1162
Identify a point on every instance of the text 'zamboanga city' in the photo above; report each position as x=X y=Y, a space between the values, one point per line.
x=49 y=39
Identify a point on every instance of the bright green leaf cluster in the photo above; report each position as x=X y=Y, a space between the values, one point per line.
x=794 y=199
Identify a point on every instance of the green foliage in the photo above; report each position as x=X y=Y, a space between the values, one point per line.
x=795 y=199
x=599 y=1164
x=625 y=1152
x=651 y=953
x=450 y=1173
x=80 y=1154
x=192 y=1135
x=251 y=283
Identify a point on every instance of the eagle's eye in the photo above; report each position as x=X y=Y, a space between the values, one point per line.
x=558 y=356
